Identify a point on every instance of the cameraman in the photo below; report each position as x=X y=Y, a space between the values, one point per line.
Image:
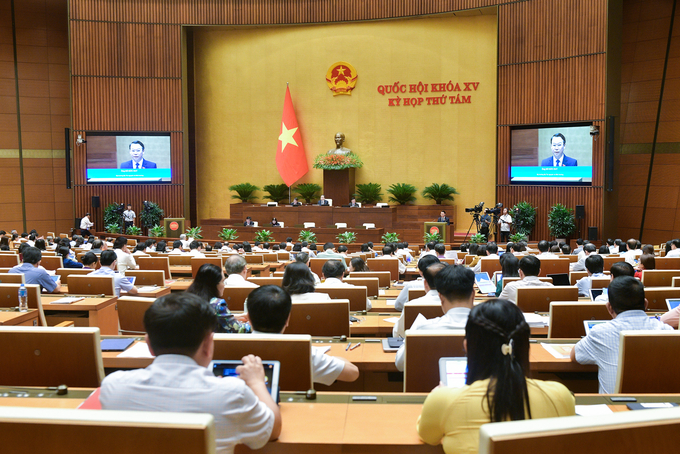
x=505 y=222
x=484 y=223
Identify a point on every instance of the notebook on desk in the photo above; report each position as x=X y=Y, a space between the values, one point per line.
x=392 y=344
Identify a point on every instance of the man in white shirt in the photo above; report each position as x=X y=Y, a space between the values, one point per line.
x=129 y=217
x=595 y=268
x=613 y=246
x=491 y=254
x=431 y=297
x=185 y=242
x=588 y=250
x=236 y=271
x=269 y=311
x=544 y=250
x=177 y=248
x=196 y=249
x=633 y=251
x=675 y=249
x=417 y=284
x=125 y=259
x=85 y=225
x=529 y=269
x=180 y=329
x=109 y=263
x=456 y=287
x=388 y=253
x=505 y=221
x=332 y=271
x=428 y=250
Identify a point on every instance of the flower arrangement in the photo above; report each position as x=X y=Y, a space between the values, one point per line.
x=337 y=162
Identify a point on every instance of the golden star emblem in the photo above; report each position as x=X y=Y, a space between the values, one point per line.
x=286 y=136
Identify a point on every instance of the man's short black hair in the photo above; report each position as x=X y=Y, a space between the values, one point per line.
x=194 y=245
x=289 y=239
x=333 y=268
x=97 y=244
x=31 y=255
x=440 y=249
x=543 y=246
x=590 y=247
x=268 y=308
x=455 y=282
x=107 y=258
x=426 y=261
x=120 y=242
x=387 y=250
x=328 y=245
x=178 y=323
x=530 y=265
x=177 y=244
x=622 y=269
x=566 y=249
x=626 y=294
x=341 y=248
x=595 y=264
x=491 y=248
x=430 y=274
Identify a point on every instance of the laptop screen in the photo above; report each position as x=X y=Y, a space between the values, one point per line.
x=672 y=303
x=560 y=278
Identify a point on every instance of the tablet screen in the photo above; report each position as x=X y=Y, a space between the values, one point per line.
x=271 y=373
x=453 y=371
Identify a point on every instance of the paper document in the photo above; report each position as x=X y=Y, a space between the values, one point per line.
x=381 y=292
x=139 y=350
x=559 y=351
x=593 y=410
x=147 y=289
x=391 y=319
x=321 y=350
x=67 y=300
x=391 y=302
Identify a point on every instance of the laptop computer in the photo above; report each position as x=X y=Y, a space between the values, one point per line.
x=595 y=292
x=588 y=324
x=453 y=371
x=272 y=369
x=672 y=303
x=484 y=283
x=560 y=278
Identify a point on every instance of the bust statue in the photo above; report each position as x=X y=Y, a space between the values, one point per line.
x=339 y=149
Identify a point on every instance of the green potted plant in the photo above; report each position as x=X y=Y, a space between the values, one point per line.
x=227 y=234
x=133 y=230
x=156 y=231
x=113 y=228
x=113 y=215
x=151 y=215
x=245 y=192
x=307 y=191
x=523 y=218
x=561 y=221
x=264 y=236
x=369 y=193
x=432 y=238
x=477 y=238
x=402 y=193
x=347 y=237
x=517 y=237
x=439 y=192
x=276 y=192
x=194 y=232
x=390 y=238
x=307 y=235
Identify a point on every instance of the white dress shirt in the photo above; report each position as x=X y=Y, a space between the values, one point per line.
x=334 y=282
x=236 y=280
x=510 y=290
x=431 y=297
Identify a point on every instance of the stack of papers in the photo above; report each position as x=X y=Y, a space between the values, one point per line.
x=536 y=320
x=67 y=300
x=147 y=289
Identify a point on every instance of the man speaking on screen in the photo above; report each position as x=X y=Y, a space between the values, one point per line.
x=137 y=155
x=557 y=144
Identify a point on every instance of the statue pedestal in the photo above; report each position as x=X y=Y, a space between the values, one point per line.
x=338 y=185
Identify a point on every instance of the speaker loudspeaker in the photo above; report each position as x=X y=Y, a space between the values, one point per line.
x=580 y=211
x=95 y=201
x=592 y=233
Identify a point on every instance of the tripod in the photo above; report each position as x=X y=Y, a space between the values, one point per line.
x=475 y=221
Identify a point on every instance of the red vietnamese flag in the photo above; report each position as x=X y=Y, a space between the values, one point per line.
x=291 y=160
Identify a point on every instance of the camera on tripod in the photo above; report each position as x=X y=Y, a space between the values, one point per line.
x=475 y=209
x=495 y=210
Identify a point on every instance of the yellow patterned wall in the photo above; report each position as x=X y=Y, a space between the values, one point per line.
x=241 y=76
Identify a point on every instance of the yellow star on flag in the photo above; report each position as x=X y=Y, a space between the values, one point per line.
x=286 y=136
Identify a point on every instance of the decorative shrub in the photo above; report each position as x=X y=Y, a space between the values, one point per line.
x=369 y=193
x=276 y=192
x=194 y=232
x=439 y=192
x=402 y=193
x=307 y=191
x=264 y=236
x=390 y=238
x=347 y=237
x=245 y=192
x=561 y=221
x=307 y=235
x=227 y=234
x=151 y=215
x=523 y=218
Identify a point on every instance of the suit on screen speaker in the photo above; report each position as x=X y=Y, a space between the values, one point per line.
x=580 y=212
x=95 y=201
x=592 y=233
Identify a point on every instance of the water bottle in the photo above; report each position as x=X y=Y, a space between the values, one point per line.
x=23 y=299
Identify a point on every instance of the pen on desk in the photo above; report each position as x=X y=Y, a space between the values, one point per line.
x=355 y=346
x=349 y=344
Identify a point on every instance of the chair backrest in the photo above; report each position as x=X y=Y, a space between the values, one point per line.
x=12 y=278
x=147 y=277
x=293 y=351
x=9 y=297
x=644 y=362
x=507 y=280
x=47 y=356
x=369 y=225
x=254 y=258
x=64 y=273
x=372 y=284
x=537 y=299
x=659 y=278
x=91 y=285
x=197 y=262
x=131 y=311
x=266 y=280
x=572 y=258
x=428 y=310
x=566 y=318
x=180 y=259
x=422 y=352
x=270 y=257
x=574 y=276
x=9 y=260
x=340 y=225
x=323 y=318
x=600 y=282
x=609 y=261
x=131 y=432
x=236 y=296
x=656 y=297
x=316 y=264
x=554 y=266
x=414 y=293
x=380 y=264
x=52 y=263
x=356 y=295
x=384 y=277
x=656 y=430
x=283 y=256
x=667 y=263
x=490 y=266
x=155 y=263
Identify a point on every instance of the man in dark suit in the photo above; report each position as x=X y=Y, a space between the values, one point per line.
x=443 y=218
x=353 y=203
x=137 y=155
x=557 y=144
x=323 y=202
x=296 y=202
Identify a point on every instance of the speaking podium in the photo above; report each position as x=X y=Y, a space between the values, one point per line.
x=438 y=227
x=174 y=227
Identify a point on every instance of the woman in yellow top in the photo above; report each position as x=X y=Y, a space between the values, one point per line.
x=497 y=343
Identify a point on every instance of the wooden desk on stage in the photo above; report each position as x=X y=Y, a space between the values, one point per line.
x=12 y=318
x=101 y=312
x=321 y=216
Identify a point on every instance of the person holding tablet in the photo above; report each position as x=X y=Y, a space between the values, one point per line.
x=496 y=389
